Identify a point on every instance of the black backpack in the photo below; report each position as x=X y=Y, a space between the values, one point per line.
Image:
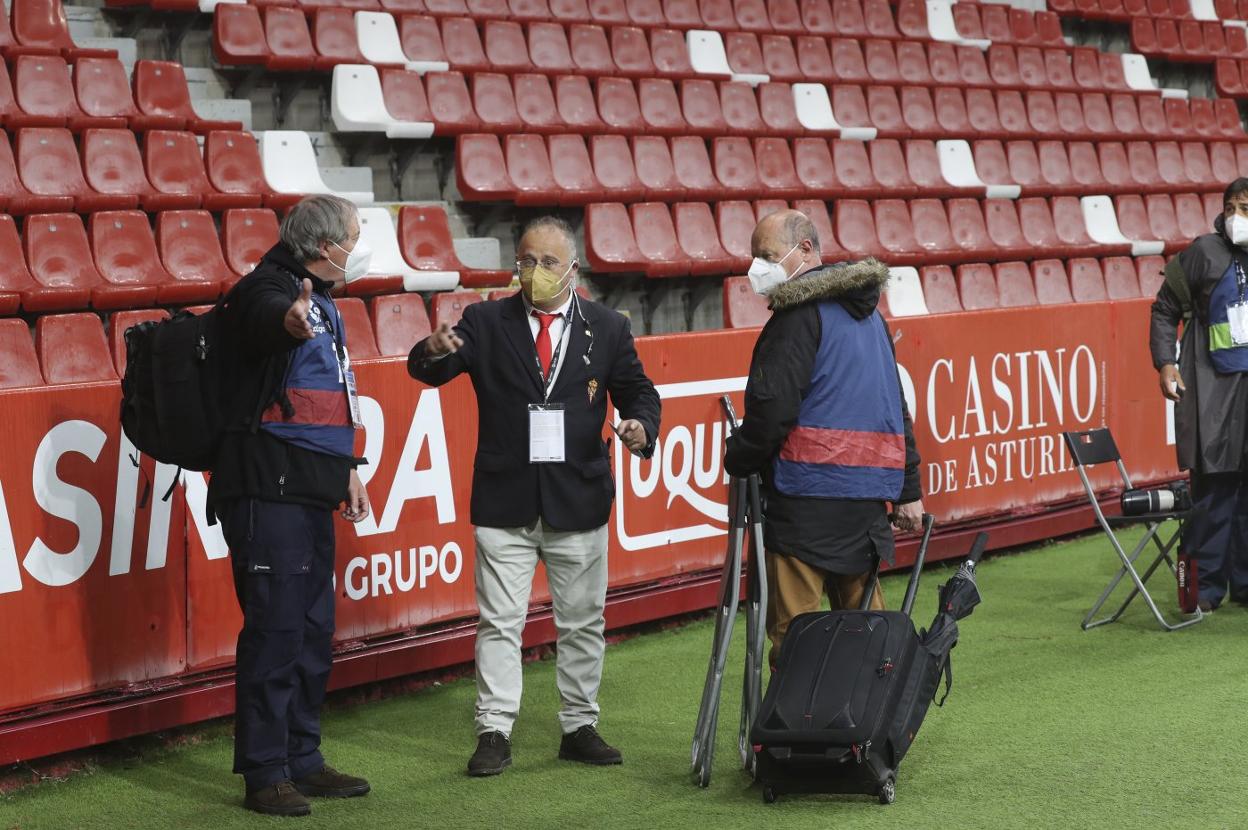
x=174 y=393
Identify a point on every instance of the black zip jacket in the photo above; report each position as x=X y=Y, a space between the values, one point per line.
x=252 y=463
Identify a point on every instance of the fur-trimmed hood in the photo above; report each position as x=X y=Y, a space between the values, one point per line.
x=863 y=280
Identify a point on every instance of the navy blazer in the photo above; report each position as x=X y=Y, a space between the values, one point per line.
x=499 y=355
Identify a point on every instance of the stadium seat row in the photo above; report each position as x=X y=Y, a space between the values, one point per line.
x=116 y=261
x=975 y=286
x=690 y=238
x=572 y=104
x=1187 y=41
x=565 y=170
x=1123 y=11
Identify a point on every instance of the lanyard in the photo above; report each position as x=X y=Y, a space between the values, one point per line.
x=1241 y=281
x=566 y=335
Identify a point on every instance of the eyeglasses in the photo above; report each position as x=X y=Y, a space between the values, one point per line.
x=549 y=262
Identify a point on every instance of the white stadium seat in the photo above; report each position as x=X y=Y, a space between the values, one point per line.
x=358 y=106
x=377 y=229
x=290 y=166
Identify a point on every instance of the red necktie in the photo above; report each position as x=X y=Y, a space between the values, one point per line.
x=543 y=340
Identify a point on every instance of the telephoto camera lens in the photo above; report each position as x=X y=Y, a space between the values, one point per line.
x=1139 y=502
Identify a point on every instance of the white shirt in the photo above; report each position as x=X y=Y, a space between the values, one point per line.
x=559 y=331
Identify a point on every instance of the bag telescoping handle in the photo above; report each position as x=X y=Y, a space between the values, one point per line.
x=730 y=411
x=912 y=588
x=977 y=548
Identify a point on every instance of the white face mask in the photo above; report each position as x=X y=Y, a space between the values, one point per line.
x=1237 y=229
x=358 y=260
x=765 y=275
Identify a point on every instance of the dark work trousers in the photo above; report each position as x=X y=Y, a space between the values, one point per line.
x=1217 y=535
x=283 y=558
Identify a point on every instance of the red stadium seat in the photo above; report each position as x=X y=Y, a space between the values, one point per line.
x=175 y=168
x=693 y=169
x=335 y=38
x=855 y=228
x=289 y=40
x=191 y=250
x=1222 y=163
x=447 y=8
x=817 y=17
x=48 y=163
x=817 y=211
x=743 y=308
x=652 y=159
x=854 y=171
x=737 y=170
x=1229 y=124
x=591 y=55
x=505 y=46
x=400 y=322
x=911 y=61
x=59 y=256
x=576 y=104
x=919 y=112
x=125 y=253
x=1085 y=167
x=701 y=104
x=570 y=11
x=450 y=107
x=15 y=198
x=1086 y=68
x=448 y=306
x=1003 y=66
x=573 y=171
x=1014 y=284
x=359 y=329
x=535 y=103
x=238 y=35
x=548 y=48
x=1163 y=222
x=462 y=43
x=1116 y=167
x=118 y=322
x=19 y=364
x=45 y=97
x=103 y=91
x=966 y=227
x=740 y=109
x=246 y=236
x=421 y=39
x=495 y=103
x=614 y=169
x=670 y=54
x=608 y=12
x=1170 y=164
x=848 y=62
x=610 y=245
x=991 y=163
x=529 y=170
x=234 y=170
x=940 y=292
x=631 y=52
x=1189 y=211
x=923 y=166
x=752 y=15
x=1121 y=282
x=113 y=166
x=778 y=110
x=718 y=15
x=1150 y=271
x=426 y=243
x=765 y=207
x=1052 y=287
x=952 y=115
x=884 y=110
x=19 y=288
x=40 y=27
x=1053 y=165
x=160 y=89
x=736 y=221
x=779 y=58
x=655 y=234
x=1005 y=233
x=698 y=236
x=618 y=106
x=812 y=162
x=813 y=59
x=850 y=106
x=646 y=13
x=977 y=287
x=1087 y=284
x=660 y=108
x=1036 y=220
x=745 y=56
x=73 y=349
x=981 y=112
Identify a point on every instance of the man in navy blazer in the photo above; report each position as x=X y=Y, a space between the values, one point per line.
x=543 y=363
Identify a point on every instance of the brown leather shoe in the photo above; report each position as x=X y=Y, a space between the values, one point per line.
x=328 y=782
x=280 y=799
x=588 y=747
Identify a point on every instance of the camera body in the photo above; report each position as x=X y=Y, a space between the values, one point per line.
x=1177 y=496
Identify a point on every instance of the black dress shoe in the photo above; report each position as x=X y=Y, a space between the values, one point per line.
x=328 y=782
x=280 y=799
x=588 y=747
x=493 y=755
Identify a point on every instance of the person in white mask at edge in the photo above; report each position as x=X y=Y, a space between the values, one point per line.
x=1206 y=290
x=825 y=425
x=543 y=363
x=286 y=462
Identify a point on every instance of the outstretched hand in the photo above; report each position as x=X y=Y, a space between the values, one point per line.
x=296 y=322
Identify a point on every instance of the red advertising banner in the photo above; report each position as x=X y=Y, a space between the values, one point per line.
x=103 y=584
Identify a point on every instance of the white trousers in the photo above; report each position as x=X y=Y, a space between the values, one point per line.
x=576 y=569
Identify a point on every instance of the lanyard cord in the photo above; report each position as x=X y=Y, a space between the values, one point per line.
x=548 y=380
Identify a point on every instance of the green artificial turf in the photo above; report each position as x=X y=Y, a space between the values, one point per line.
x=1048 y=726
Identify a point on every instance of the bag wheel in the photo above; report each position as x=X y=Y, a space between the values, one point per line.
x=769 y=794
x=888 y=792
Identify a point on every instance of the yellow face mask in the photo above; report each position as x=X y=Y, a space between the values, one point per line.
x=540 y=284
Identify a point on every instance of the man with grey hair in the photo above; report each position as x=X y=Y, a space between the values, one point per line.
x=285 y=463
x=825 y=425
x=543 y=363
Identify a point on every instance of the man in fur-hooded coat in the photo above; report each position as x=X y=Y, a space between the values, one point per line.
x=826 y=425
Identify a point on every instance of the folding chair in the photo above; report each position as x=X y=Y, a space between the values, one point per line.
x=1097 y=446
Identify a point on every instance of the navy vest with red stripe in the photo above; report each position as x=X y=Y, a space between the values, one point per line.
x=321 y=416
x=849 y=441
